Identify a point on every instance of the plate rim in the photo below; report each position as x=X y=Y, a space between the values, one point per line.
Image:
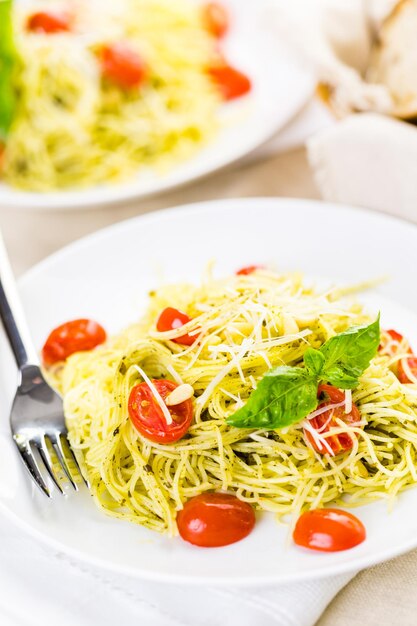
x=140 y=573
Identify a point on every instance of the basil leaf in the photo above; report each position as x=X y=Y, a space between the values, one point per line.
x=348 y=354
x=285 y=395
x=7 y=61
x=314 y=361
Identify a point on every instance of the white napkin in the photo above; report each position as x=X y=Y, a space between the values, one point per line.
x=39 y=587
x=368 y=160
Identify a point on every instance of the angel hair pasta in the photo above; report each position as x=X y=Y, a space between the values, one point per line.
x=107 y=90
x=240 y=327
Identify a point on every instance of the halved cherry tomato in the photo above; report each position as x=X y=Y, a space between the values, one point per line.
x=215 y=19
x=390 y=342
x=170 y=319
x=49 y=22
x=122 y=65
x=327 y=420
x=74 y=336
x=244 y=271
x=412 y=366
x=2 y=153
x=147 y=416
x=211 y=520
x=231 y=82
x=328 y=530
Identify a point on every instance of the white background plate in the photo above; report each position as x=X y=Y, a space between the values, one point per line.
x=107 y=276
x=280 y=89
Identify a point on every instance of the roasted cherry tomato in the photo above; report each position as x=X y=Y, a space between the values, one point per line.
x=49 y=22
x=390 y=342
x=170 y=319
x=148 y=418
x=328 y=530
x=215 y=19
x=211 y=520
x=244 y=271
x=409 y=363
x=74 y=336
x=122 y=65
x=231 y=82
x=325 y=421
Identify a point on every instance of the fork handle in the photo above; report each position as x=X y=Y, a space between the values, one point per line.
x=12 y=315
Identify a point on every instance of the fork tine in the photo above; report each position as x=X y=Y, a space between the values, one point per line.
x=57 y=444
x=79 y=462
x=46 y=458
x=32 y=465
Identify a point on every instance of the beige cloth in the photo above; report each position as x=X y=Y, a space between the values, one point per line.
x=381 y=596
x=368 y=160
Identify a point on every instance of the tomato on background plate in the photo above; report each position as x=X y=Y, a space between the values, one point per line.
x=231 y=82
x=327 y=420
x=170 y=319
x=49 y=22
x=74 y=336
x=212 y=520
x=328 y=530
x=122 y=65
x=148 y=418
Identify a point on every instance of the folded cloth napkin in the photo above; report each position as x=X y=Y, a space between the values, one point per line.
x=368 y=160
x=39 y=587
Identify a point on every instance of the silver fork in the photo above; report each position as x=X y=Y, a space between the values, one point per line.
x=37 y=418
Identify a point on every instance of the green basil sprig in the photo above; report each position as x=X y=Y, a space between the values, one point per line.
x=285 y=395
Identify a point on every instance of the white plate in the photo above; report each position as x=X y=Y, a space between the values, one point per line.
x=280 y=89
x=107 y=276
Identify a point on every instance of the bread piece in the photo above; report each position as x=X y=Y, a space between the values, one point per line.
x=394 y=58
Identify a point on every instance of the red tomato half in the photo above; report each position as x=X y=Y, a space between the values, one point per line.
x=327 y=420
x=215 y=19
x=244 y=271
x=412 y=366
x=328 y=530
x=148 y=418
x=74 y=336
x=390 y=342
x=231 y=82
x=122 y=65
x=170 y=319
x=211 y=520
x=49 y=22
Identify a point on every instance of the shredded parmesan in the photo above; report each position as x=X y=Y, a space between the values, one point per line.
x=348 y=401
